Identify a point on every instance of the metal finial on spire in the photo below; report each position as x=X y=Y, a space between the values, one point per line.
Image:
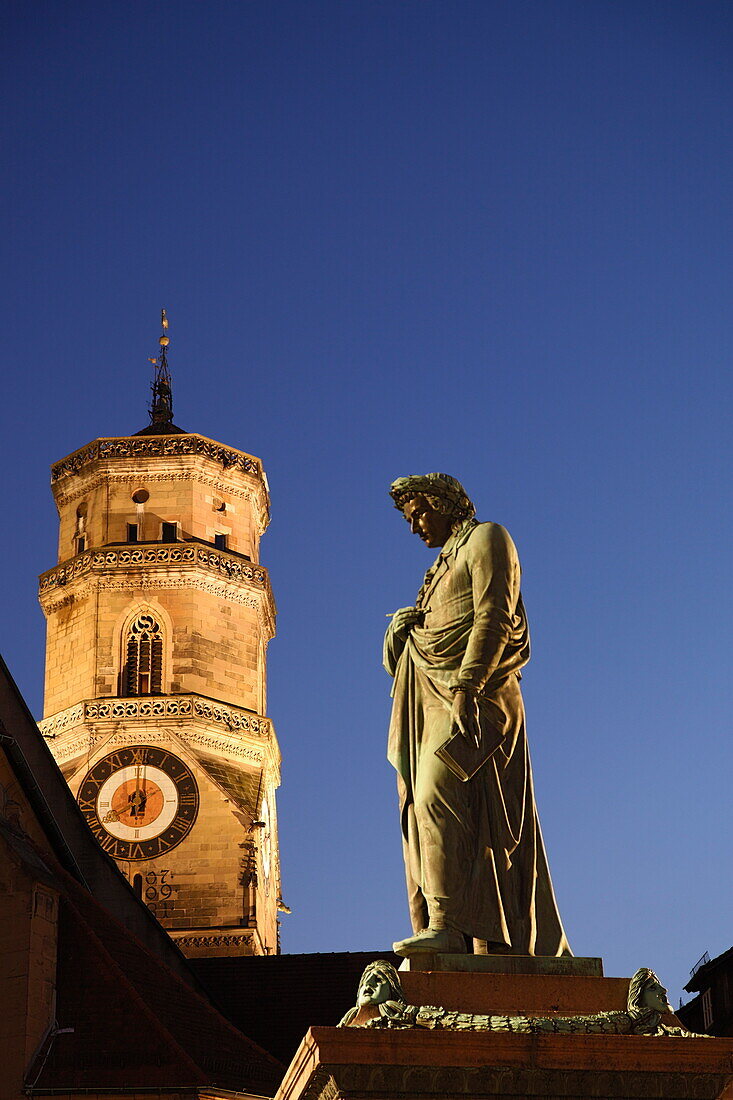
x=161 y=407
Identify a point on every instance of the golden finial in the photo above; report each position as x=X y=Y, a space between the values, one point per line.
x=164 y=341
x=161 y=409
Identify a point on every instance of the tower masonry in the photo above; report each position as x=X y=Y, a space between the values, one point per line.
x=158 y=619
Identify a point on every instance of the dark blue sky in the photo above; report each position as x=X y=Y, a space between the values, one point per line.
x=488 y=238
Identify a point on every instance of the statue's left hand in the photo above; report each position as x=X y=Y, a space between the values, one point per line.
x=464 y=717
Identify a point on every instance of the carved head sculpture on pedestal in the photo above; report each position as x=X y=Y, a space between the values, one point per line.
x=647 y=995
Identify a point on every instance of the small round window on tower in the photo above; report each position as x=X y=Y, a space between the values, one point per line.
x=140 y=496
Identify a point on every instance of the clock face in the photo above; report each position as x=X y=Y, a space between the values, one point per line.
x=140 y=802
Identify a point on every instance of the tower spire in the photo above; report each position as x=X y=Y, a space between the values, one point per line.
x=161 y=407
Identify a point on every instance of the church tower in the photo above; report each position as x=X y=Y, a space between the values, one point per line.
x=158 y=619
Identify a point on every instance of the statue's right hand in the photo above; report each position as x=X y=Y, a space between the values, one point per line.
x=404 y=620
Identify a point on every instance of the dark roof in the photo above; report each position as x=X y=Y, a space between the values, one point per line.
x=162 y=429
x=68 y=834
x=275 y=998
x=22 y=850
x=135 y=1024
x=700 y=978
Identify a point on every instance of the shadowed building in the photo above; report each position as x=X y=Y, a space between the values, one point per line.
x=711 y=1010
x=93 y=1002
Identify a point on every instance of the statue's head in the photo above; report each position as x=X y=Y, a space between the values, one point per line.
x=378 y=984
x=647 y=994
x=434 y=505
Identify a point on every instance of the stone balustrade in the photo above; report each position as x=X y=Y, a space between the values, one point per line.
x=176 y=555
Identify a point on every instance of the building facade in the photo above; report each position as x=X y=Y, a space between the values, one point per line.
x=710 y=1011
x=158 y=620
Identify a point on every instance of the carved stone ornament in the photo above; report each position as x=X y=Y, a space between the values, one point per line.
x=173 y=566
x=214 y=940
x=237 y=733
x=218 y=562
x=380 y=989
x=165 y=706
x=164 y=446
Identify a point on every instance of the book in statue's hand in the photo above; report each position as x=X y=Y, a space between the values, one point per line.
x=464 y=757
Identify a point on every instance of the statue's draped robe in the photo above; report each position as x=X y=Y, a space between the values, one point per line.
x=474 y=855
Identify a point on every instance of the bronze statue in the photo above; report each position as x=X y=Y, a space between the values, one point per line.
x=380 y=994
x=474 y=856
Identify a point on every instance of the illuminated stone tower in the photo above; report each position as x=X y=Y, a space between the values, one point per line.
x=158 y=619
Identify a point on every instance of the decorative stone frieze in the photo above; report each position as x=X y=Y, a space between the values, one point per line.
x=180 y=707
x=163 y=446
x=175 y=565
x=204 y=724
x=224 y=939
x=218 y=562
x=65 y=719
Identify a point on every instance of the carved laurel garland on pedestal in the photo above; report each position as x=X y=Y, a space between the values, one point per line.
x=380 y=989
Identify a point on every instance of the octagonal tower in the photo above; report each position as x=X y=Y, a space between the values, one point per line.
x=158 y=619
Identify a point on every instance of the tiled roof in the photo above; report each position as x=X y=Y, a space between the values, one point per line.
x=162 y=429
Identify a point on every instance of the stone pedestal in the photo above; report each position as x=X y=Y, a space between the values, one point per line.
x=359 y=1064
x=506 y=964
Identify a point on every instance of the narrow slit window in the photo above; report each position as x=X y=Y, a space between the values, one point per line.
x=169 y=532
x=81 y=544
x=143 y=668
x=132 y=532
x=220 y=542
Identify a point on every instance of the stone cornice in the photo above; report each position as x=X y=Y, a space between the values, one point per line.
x=156 y=558
x=155 y=446
x=116 y=707
x=211 y=939
x=206 y=724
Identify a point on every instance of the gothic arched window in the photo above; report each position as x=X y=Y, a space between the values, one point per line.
x=143 y=669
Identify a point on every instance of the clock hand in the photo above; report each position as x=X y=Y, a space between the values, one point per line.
x=137 y=800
